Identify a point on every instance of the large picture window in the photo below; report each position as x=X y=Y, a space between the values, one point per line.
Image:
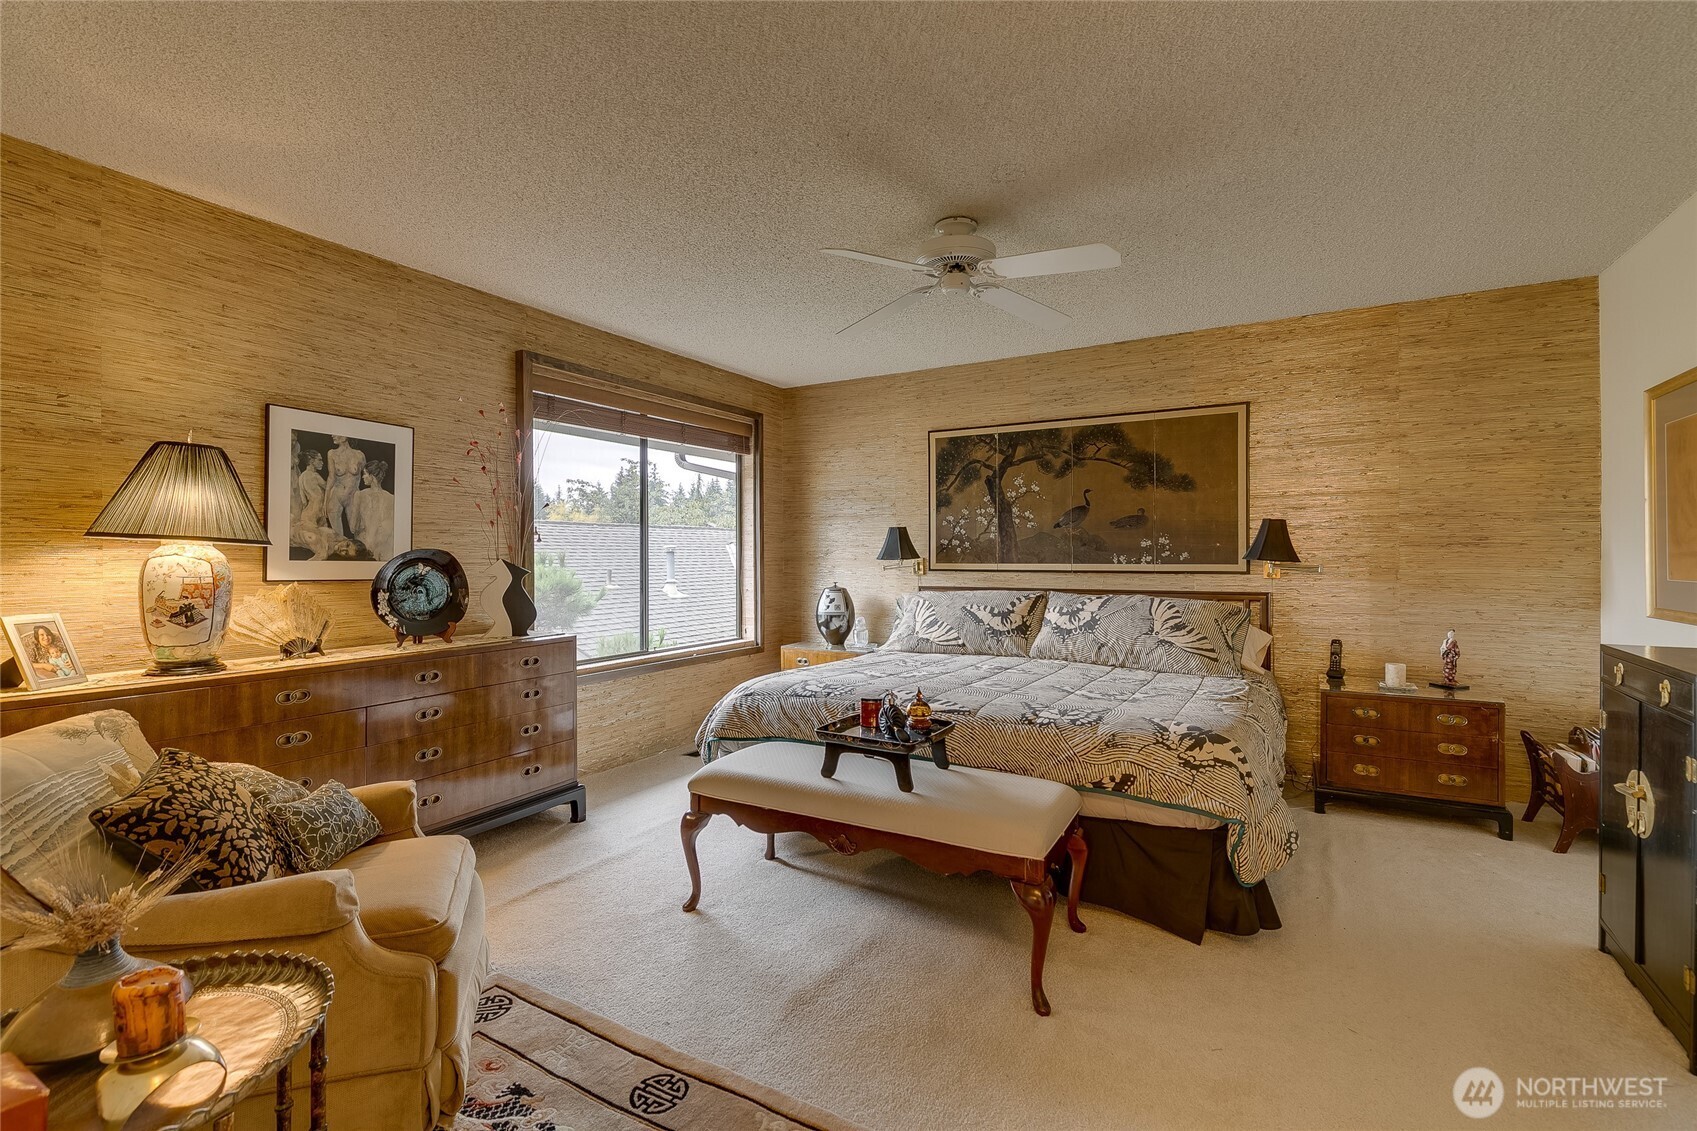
x=646 y=516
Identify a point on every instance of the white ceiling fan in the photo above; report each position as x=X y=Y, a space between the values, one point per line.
x=961 y=263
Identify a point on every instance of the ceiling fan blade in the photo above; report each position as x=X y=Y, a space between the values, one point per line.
x=880 y=260
x=888 y=309
x=1019 y=306
x=1060 y=261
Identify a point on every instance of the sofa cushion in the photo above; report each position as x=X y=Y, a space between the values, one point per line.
x=184 y=805
x=51 y=778
x=983 y=810
x=413 y=892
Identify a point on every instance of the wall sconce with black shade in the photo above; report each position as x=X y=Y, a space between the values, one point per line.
x=186 y=496
x=898 y=550
x=1273 y=550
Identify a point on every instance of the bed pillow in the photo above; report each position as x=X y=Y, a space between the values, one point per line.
x=1193 y=638
x=978 y=622
x=1093 y=628
x=184 y=804
x=1256 y=646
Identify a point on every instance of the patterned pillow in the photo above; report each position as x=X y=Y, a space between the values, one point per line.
x=1094 y=628
x=324 y=826
x=1193 y=638
x=185 y=805
x=979 y=622
x=265 y=787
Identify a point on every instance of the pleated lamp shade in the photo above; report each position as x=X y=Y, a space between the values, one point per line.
x=1272 y=544
x=182 y=493
x=898 y=547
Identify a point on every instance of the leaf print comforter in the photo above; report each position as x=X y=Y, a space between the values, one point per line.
x=1207 y=744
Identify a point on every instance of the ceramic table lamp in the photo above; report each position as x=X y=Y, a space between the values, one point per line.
x=188 y=496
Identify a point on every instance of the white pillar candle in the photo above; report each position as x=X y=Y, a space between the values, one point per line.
x=1396 y=675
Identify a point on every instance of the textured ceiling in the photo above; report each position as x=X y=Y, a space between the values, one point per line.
x=668 y=171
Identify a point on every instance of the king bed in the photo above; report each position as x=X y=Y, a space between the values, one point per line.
x=1159 y=708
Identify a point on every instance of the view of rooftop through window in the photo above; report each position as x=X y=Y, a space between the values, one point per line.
x=588 y=557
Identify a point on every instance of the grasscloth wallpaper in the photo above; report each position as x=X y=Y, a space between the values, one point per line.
x=133 y=314
x=1439 y=458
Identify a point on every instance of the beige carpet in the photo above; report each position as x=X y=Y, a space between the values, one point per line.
x=1414 y=948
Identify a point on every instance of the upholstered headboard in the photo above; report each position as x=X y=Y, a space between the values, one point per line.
x=1260 y=605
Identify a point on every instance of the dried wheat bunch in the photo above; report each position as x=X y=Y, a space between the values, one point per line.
x=79 y=915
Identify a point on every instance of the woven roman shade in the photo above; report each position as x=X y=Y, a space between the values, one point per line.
x=181 y=493
x=603 y=403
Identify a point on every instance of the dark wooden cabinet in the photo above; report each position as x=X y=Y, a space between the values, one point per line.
x=1435 y=750
x=487 y=728
x=1647 y=856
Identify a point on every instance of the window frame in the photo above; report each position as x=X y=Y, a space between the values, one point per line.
x=534 y=376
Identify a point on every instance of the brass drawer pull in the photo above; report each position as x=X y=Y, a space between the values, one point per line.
x=801 y=661
x=428 y=755
x=1456 y=780
x=530 y=661
x=426 y=714
x=533 y=693
x=529 y=770
x=1366 y=740
x=1367 y=771
x=1453 y=720
x=529 y=729
x=305 y=781
x=1666 y=690
x=1620 y=673
x=1453 y=749
x=1365 y=713
x=301 y=695
x=433 y=799
x=431 y=676
x=295 y=738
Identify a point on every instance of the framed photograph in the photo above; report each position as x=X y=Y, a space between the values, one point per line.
x=1145 y=492
x=338 y=495
x=43 y=651
x=1670 y=448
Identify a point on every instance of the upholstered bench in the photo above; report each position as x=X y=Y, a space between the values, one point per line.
x=958 y=820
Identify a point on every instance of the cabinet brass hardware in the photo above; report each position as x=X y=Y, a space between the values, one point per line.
x=1367 y=771
x=1453 y=749
x=529 y=729
x=1456 y=780
x=1620 y=673
x=433 y=799
x=295 y=738
x=426 y=714
x=530 y=661
x=1366 y=740
x=300 y=695
x=1640 y=803
x=533 y=693
x=1690 y=768
x=1690 y=980
x=305 y=781
x=801 y=661
x=430 y=754
x=1666 y=690
x=1365 y=713
x=1453 y=720
x=529 y=770
x=431 y=676
x=1602 y=883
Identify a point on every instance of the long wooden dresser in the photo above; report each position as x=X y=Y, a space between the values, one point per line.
x=487 y=728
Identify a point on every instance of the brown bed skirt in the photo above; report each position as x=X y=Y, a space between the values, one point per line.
x=1177 y=879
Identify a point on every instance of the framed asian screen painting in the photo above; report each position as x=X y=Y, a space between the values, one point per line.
x=1144 y=492
x=1670 y=419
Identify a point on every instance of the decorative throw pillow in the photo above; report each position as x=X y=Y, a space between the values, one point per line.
x=51 y=778
x=1093 y=628
x=324 y=826
x=1193 y=637
x=262 y=785
x=186 y=805
x=979 y=622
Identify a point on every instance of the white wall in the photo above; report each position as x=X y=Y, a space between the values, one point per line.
x=1647 y=309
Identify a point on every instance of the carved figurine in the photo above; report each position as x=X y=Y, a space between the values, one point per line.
x=1450 y=655
x=919 y=714
x=892 y=720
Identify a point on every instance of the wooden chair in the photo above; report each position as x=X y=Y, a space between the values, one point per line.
x=1557 y=783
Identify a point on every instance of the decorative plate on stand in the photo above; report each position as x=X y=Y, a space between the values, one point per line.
x=421 y=593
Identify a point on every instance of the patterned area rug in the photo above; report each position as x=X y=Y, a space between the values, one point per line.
x=542 y=1064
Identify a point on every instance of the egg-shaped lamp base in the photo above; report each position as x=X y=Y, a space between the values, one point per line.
x=185 y=608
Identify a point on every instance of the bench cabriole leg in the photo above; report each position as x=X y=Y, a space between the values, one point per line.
x=1080 y=853
x=691 y=828
x=1039 y=903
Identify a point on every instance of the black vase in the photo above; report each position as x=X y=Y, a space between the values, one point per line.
x=521 y=610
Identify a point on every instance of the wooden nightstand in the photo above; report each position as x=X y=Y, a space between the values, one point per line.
x=1434 y=750
x=812 y=655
